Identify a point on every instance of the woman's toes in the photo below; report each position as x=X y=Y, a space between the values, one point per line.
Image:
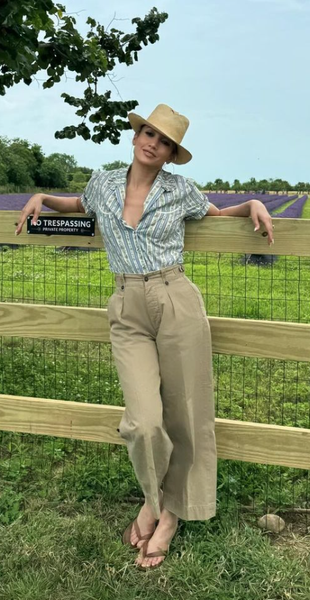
x=151 y=562
x=133 y=538
x=146 y=562
x=139 y=559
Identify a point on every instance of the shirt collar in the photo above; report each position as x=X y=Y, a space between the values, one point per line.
x=119 y=176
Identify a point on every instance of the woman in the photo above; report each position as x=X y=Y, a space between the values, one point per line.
x=159 y=329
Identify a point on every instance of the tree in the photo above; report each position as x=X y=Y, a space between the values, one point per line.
x=18 y=173
x=51 y=175
x=251 y=185
x=66 y=161
x=263 y=185
x=218 y=184
x=117 y=164
x=38 y=35
x=3 y=161
x=87 y=170
x=19 y=160
x=78 y=181
x=279 y=185
x=3 y=174
x=236 y=185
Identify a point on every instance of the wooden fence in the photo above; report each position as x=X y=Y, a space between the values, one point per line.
x=237 y=440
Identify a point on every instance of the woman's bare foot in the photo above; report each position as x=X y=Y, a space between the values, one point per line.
x=146 y=522
x=160 y=540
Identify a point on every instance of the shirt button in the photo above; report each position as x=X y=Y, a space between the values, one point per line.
x=166 y=282
x=146 y=278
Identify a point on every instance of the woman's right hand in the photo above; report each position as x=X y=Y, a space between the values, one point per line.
x=33 y=206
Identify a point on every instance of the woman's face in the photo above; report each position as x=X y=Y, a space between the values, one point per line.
x=152 y=148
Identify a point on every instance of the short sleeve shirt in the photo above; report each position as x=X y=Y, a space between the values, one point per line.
x=158 y=240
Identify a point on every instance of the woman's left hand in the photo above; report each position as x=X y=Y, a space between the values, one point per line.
x=259 y=214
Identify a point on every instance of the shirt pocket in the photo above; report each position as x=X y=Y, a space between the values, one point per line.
x=110 y=207
x=167 y=203
x=173 y=209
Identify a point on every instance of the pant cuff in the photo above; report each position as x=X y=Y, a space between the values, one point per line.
x=199 y=512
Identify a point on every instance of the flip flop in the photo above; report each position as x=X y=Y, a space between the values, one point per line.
x=127 y=533
x=146 y=554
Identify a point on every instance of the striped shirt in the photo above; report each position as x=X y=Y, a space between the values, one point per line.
x=158 y=240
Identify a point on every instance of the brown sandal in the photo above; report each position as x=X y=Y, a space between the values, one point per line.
x=127 y=533
x=146 y=554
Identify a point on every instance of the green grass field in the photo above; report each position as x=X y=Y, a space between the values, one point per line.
x=74 y=552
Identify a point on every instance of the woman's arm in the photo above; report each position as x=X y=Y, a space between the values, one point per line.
x=62 y=203
x=57 y=203
x=252 y=208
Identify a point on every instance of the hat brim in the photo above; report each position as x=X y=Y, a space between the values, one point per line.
x=183 y=156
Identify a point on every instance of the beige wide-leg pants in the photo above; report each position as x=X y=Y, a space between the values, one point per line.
x=161 y=344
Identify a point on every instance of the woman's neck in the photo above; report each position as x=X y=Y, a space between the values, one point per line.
x=140 y=175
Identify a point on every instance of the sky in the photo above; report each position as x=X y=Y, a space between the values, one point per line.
x=238 y=69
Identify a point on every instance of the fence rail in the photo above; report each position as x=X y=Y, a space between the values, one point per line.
x=211 y=234
x=236 y=440
x=241 y=337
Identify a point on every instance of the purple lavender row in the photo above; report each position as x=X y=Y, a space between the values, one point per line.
x=273 y=205
x=294 y=210
x=271 y=202
x=228 y=199
x=274 y=197
x=249 y=196
x=236 y=198
x=18 y=201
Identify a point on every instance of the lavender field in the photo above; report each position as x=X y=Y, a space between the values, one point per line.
x=18 y=201
x=271 y=201
x=294 y=211
x=221 y=200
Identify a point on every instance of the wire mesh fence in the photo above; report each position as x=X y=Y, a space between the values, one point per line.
x=249 y=389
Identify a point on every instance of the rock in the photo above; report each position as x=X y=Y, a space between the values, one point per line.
x=271 y=523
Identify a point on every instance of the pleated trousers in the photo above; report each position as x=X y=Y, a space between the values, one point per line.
x=161 y=344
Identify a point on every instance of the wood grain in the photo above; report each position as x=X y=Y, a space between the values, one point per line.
x=236 y=440
x=241 y=337
x=211 y=234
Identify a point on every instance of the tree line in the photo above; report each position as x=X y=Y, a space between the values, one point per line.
x=255 y=185
x=24 y=166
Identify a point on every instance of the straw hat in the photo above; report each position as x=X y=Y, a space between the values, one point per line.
x=168 y=122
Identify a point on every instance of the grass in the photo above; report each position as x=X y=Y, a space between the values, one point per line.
x=74 y=552
x=306 y=209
